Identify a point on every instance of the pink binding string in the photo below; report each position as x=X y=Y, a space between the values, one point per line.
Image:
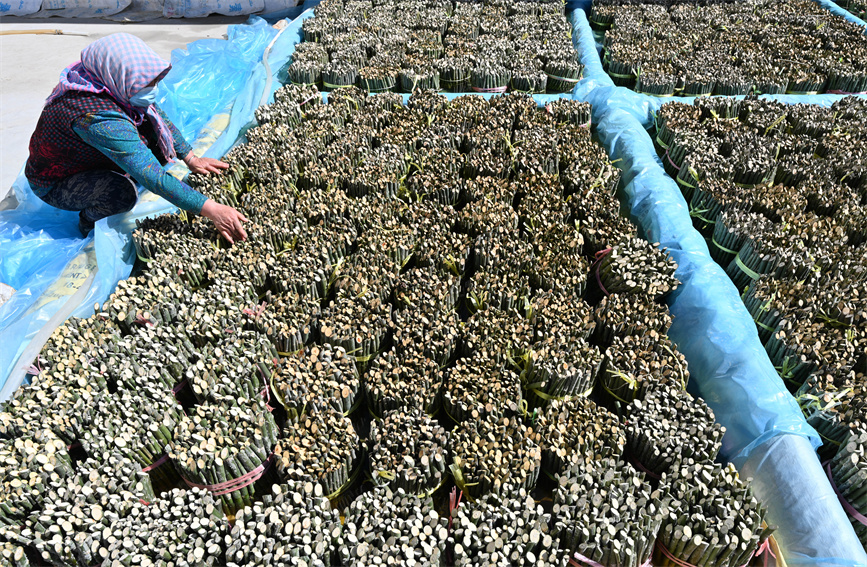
x=599 y=255
x=35 y=369
x=846 y=92
x=256 y=312
x=143 y=322
x=763 y=549
x=843 y=502
x=668 y=157
x=230 y=486
x=661 y=547
x=266 y=391
x=577 y=560
x=314 y=97
x=156 y=464
x=491 y=90
x=454 y=502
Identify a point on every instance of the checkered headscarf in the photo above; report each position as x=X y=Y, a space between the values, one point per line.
x=120 y=65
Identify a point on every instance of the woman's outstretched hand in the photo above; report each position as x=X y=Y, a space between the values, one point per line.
x=204 y=165
x=228 y=221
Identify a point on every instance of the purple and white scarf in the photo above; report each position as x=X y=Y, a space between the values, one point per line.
x=120 y=65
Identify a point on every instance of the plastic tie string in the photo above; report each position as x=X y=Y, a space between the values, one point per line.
x=223 y=488
x=668 y=157
x=266 y=391
x=642 y=468
x=255 y=312
x=454 y=502
x=180 y=386
x=721 y=247
x=661 y=547
x=491 y=90
x=615 y=396
x=577 y=560
x=745 y=269
x=35 y=369
x=156 y=464
x=312 y=98
x=598 y=263
x=843 y=502
x=564 y=79
x=846 y=92
x=764 y=550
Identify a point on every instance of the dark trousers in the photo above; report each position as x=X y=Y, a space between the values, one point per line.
x=95 y=194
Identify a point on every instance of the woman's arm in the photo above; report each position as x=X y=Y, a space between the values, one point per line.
x=114 y=135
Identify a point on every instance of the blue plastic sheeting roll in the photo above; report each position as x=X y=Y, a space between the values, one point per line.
x=766 y=435
x=815 y=539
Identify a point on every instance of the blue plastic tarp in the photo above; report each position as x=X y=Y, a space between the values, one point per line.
x=766 y=436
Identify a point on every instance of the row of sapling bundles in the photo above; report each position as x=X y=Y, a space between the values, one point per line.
x=781 y=194
x=439 y=307
x=666 y=48
x=394 y=45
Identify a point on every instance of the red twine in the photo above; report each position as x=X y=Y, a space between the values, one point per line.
x=454 y=502
x=223 y=488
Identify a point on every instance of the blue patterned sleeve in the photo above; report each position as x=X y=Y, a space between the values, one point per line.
x=182 y=148
x=116 y=136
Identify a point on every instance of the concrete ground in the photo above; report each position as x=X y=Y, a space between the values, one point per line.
x=30 y=66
